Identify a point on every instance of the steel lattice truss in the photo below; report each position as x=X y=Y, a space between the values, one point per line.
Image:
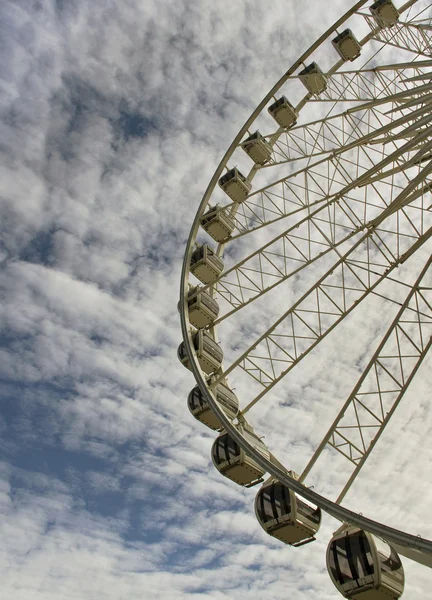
x=414 y=37
x=361 y=176
x=333 y=199
x=389 y=89
x=303 y=326
x=384 y=381
x=343 y=200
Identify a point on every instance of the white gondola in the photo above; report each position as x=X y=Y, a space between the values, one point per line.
x=284 y=515
x=364 y=567
x=217 y=223
x=283 y=112
x=205 y=265
x=235 y=185
x=231 y=460
x=203 y=309
x=258 y=148
x=385 y=13
x=208 y=352
x=201 y=410
x=347 y=45
x=313 y=79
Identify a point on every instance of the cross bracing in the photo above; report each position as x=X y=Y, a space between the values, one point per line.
x=318 y=234
x=321 y=137
x=370 y=132
x=414 y=37
x=329 y=224
x=324 y=305
x=379 y=173
x=370 y=406
x=338 y=131
x=368 y=84
x=327 y=178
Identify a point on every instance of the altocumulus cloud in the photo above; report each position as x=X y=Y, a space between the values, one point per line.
x=112 y=119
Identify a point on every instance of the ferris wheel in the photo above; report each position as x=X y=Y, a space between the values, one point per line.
x=321 y=203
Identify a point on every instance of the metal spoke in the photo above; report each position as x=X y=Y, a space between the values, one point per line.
x=316 y=182
x=349 y=169
x=371 y=404
x=321 y=308
x=413 y=37
x=322 y=230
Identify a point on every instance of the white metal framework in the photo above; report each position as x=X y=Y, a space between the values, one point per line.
x=327 y=186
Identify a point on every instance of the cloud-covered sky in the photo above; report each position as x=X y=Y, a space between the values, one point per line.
x=113 y=117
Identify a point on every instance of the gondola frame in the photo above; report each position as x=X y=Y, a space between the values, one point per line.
x=372 y=584
x=291 y=527
x=237 y=469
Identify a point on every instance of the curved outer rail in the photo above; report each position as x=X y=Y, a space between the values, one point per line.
x=409 y=545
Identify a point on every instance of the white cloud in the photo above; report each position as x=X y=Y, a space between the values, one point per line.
x=112 y=121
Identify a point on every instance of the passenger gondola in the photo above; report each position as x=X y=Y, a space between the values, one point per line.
x=347 y=45
x=201 y=410
x=385 y=13
x=205 y=264
x=258 y=148
x=283 y=112
x=235 y=185
x=313 y=79
x=284 y=515
x=231 y=460
x=364 y=567
x=202 y=308
x=217 y=223
x=208 y=352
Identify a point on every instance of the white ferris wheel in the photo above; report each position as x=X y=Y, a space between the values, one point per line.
x=321 y=205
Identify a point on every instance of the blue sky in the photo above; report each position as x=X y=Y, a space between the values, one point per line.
x=113 y=117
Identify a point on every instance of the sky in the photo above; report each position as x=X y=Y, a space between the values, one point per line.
x=113 y=118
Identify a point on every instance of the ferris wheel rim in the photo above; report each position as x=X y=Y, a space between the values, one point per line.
x=251 y=118
x=400 y=539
